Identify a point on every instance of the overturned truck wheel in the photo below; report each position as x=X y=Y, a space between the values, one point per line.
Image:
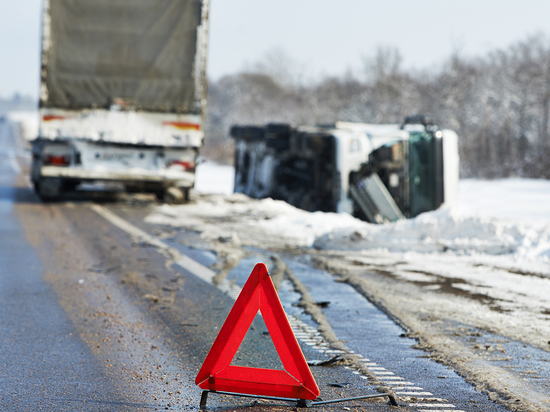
x=172 y=195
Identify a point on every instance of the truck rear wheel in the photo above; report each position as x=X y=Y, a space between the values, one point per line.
x=49 y=188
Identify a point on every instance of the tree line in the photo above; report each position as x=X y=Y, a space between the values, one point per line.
x=499 y=104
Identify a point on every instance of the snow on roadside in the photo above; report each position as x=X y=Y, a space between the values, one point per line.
x=447 y=230
x=263 y=223
x=28 y=120
x=214 y=178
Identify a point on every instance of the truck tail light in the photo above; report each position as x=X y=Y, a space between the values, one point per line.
x=183 y=164
x=57 y=160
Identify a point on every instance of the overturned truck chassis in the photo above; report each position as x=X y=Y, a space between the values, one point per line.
x=377 y=173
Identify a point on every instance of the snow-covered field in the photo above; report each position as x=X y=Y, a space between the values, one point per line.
x=514 y=200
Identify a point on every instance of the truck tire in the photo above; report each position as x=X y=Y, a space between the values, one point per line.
x=176 y=195
x=49 y=188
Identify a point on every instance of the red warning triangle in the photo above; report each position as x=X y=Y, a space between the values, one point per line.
x=216 y=373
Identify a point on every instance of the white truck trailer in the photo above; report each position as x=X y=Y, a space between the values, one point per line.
x=122 y=95
x=380 y=173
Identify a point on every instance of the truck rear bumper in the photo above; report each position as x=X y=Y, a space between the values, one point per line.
x=165 y=177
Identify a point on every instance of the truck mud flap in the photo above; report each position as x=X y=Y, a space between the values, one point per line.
x=374 y=200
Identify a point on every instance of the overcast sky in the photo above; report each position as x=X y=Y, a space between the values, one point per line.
x=325 y=36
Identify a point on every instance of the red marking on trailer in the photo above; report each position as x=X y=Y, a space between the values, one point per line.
x=189 y=166
x=50 y=117
x=183 y=125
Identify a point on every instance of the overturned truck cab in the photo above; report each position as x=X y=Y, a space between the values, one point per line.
x=379 y=173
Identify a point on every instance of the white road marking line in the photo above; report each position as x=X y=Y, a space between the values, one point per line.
x=28 y=181
x=408 y=388
x=432 y=405
x=192 y=266
x=14 y=163
x=414 y=393
x=200 y=271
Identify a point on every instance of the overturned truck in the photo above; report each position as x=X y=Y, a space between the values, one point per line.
x=379 y=173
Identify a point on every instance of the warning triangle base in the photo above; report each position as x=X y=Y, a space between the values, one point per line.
x=301 y=403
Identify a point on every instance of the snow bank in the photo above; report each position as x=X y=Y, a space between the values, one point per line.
x=305 y=227
x=450 y=230
x=257 y=222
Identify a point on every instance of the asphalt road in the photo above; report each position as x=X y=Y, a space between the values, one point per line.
x=99 y=313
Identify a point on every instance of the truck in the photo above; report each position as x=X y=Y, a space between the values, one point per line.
x=122 y=95
x=379 y=173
